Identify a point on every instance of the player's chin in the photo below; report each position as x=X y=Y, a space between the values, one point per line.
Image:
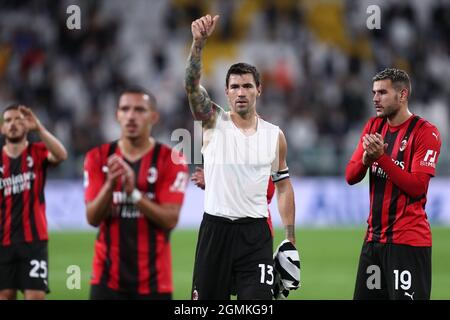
x=132 y=135
x=380 y=114
x=15 y=138
x=242 y=109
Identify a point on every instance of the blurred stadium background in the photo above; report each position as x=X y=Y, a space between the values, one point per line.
x=317 y=59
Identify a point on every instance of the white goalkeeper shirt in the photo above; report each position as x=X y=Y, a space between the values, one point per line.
x=237 y=168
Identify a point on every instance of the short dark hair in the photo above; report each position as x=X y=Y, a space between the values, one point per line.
x=14 y=106
x=399 y=78
x=243 y=68
x=139 y=90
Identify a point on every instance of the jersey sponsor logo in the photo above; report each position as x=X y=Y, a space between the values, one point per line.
x=379 y=172
x=430 y=156
x=430 y=159
x=128 y=212
x=125 y=207
x=121 y=197
x=400 y=164
x=180 y=183
x=17 y=183
x=403 y=145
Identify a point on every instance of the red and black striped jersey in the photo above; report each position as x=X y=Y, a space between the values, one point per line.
x=22 y=201
x=132 y=254
x=396 y=217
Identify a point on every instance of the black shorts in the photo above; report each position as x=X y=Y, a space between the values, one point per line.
x=233 y=257
x=101 y=292
x=394 y=272
x=24 y=266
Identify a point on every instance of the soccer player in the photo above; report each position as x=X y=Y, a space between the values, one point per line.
x=134 y=191
x=23 y=225
x=198 y=178
x=240 y=150
x=401 y=151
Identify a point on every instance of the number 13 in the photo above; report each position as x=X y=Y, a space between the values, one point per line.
x=263 y=273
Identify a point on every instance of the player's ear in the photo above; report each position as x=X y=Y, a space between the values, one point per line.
x=403 y=94
x=154 y=117
x=259 y=90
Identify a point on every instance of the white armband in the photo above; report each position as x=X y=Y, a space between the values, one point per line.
x=280 y=175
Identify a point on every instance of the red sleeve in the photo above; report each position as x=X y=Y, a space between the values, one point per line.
x=40 y=152
x=427 y=147
x=174 y=179
x=93 y=175
x=413 y=184
x=356 y=170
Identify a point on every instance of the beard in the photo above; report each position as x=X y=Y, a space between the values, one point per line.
x=392 y=109
x=15 y=140
x=243 y=111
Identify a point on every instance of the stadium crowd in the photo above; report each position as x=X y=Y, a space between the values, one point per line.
x=316 y=60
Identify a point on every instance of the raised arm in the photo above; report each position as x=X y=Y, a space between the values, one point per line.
x=201 y=105
x=57 y=153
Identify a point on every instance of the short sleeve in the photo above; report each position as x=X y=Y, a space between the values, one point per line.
x=93 y=175
x=427 y=148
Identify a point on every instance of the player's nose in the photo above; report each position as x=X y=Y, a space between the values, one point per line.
x=131 y=114
x=241 y=92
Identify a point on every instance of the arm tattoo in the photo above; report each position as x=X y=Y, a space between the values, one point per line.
x=199 y=101
x=193 y=68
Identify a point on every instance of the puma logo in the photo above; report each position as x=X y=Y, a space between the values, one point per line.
x=436 y=136
x=410 y=295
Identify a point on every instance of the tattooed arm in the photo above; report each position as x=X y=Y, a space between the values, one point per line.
x=201 y=105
